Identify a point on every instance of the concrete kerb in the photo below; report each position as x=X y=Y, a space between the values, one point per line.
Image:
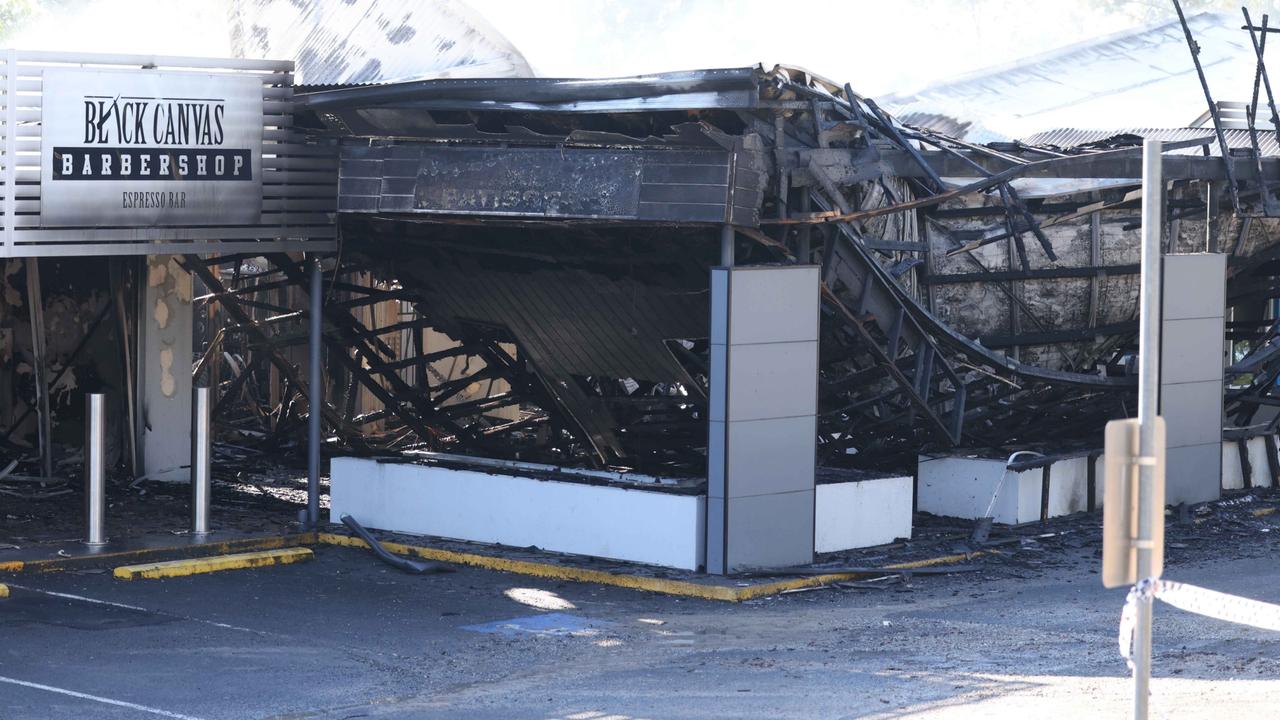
x=158 y=553
x=209 y=557
x=216 y=563
x=666 y=586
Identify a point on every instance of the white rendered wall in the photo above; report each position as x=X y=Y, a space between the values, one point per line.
x=963 y=486
x=1261 y=466
x=862 y=514
x=1233 y=473
x=609 y=522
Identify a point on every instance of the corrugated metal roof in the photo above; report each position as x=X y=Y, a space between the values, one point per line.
x=691 y=89
x=374 y=41
x=1141 y=77
x=1075 y=138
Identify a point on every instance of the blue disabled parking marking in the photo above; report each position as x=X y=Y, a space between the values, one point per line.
x=554 y=624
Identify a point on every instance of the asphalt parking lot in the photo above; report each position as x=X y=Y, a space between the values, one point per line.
x=344 y=636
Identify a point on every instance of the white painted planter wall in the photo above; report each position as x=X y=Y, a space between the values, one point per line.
x=609 y=522
x=962 y=486
x=862 y=514
x=1233 y=473
x=637 y=525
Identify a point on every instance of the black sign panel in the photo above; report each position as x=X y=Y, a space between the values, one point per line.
x=123 y=163
x=536 y=181
x=678 y=184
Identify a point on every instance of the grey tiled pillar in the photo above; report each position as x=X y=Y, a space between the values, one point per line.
x=165 y=322
x=764 y=387
x=1191 y=363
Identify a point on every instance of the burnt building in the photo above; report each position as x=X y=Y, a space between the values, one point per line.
x=709 y=319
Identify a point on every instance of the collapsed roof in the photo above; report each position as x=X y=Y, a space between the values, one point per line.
x=559 y=232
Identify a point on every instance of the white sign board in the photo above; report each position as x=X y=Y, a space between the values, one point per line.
x=144 y=149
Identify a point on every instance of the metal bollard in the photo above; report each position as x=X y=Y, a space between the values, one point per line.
x=95 y=469
x=201 y=459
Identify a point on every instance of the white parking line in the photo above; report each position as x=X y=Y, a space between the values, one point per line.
x=96 y=698
x=108 y=603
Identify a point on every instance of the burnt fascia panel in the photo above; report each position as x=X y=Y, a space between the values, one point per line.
x=681 y=185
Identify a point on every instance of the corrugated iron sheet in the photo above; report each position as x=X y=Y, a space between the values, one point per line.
x=374 y=41
x=572 y=322
x=1139 y=77
x=1067 y=138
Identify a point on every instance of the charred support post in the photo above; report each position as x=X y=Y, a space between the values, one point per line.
x=130 y=396
x=201 y=459
x=315 y=386
x=95 y=469
x=35 y=304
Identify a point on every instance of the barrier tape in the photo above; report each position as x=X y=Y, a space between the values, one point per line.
x=1198 y=600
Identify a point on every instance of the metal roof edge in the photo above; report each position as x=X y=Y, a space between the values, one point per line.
x=534 y=90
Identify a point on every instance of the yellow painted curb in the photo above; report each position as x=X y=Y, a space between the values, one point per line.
x=635 y=582
x=545 y=570
x=222 y=547
x=4 y=590
x=757 y=591
x=196 y=566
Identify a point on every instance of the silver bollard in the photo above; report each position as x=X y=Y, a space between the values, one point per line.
x=95 y=469
x=201 y=459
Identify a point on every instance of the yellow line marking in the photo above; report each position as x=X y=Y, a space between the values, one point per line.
x=1263 y=512
x=4 y=590
x=666 y=586
x=195 y=566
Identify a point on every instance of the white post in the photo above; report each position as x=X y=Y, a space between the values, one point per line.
x=95 y=470
x=1148 y=407
x=201 y=459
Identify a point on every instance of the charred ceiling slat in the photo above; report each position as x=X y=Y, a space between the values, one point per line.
x=196 y=266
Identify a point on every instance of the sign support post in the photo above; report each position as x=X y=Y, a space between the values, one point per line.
x=1133 y=511
x=1148 y=389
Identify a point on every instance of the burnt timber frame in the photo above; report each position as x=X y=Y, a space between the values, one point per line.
x=828 y=172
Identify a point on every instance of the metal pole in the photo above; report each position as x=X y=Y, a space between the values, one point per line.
x=804 y=244
x=95 y=469
x=315 y=392
x=129 y=395
x=201 y=459
x=1148 y=399
x=726 y=245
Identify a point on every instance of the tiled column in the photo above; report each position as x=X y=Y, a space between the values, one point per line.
x=1191 y=363
x=764 y=367
x=165 y=321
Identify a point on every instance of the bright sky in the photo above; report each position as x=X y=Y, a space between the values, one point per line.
x=878 y=46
